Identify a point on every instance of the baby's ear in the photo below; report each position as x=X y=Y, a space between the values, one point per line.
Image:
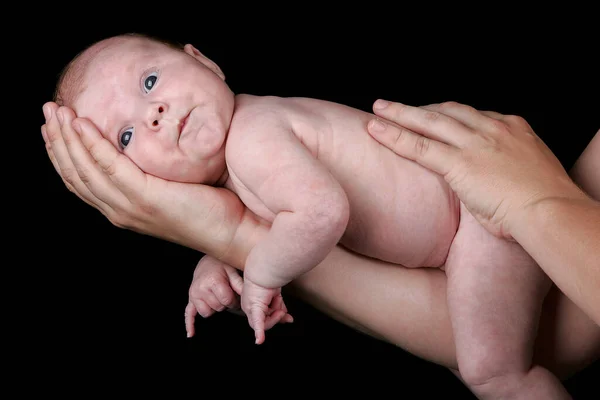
x=194 y=52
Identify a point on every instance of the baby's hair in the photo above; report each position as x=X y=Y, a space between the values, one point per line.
x=70 y=79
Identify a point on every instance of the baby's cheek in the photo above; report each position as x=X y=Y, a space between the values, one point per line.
x=150 y=162
x=174 y=164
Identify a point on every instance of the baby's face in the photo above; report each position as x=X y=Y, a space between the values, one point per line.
x=168 y=110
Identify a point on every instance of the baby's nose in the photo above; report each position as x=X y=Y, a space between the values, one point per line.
x=156 y=114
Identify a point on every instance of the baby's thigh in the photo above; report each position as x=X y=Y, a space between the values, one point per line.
x=495 y=294
x=483 y=269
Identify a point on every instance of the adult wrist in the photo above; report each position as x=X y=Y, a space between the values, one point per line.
x=536 y=214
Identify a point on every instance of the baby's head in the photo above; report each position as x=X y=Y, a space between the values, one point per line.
x=167 y=108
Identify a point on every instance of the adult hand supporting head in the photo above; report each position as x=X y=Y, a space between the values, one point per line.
x=93 y=169
x=495 y=163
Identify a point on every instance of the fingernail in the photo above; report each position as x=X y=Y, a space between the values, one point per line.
x=60 y=116
x=47 y=113
x=376 y=126
x=381 y=104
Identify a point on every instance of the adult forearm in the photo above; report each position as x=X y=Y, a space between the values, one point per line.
x=403 y=306
x=406 y=307
x=210 y=220
x=563 y=236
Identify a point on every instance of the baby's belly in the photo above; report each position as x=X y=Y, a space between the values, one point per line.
x=400 y=213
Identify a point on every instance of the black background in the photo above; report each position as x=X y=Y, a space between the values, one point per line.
x=103 y=307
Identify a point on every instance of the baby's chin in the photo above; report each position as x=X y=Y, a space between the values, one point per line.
x=207 y=173
x=206 y=141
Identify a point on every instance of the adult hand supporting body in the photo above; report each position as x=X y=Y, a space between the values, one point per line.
x=510 y=181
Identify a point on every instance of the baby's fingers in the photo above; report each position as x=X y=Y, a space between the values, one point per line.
x=235 y=280
x=279 y=305
x=206 y=306
x=257 y=319
x=213 y=302
x=225 y=296
x=276 y=317
x=190 y=318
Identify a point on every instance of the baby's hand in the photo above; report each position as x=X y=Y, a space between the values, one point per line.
x=215 y=286
x=264 y=308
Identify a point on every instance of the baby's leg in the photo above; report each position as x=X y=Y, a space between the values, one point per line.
x=495 y=296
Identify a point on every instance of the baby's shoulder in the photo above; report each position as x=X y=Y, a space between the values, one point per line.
x=251 y=107
x=259 y=114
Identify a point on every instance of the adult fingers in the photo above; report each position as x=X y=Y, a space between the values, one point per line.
x=125 y=175
x=431 y=124
x=480 y=122
x=97 y=182
x=514 y=121
x=493 y=114
x=57 y=169
x=61 y=160
x=466 y=115
x=429 y=153
x=49 y=150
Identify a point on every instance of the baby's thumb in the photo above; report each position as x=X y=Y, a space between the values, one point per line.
x=235 y=280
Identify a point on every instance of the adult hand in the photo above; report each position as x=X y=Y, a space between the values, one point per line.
x=495 y=163
x=93 y=169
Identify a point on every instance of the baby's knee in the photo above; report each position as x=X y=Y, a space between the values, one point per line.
x=492 y=378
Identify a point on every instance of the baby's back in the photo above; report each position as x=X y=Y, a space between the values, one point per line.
x=399 y=211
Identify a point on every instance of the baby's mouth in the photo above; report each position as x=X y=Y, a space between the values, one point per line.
x=183 y=123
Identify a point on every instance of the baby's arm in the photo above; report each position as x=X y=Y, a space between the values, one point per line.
x=310 y=207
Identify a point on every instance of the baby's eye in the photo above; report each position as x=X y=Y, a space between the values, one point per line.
x=125 y=138
x=150 y=81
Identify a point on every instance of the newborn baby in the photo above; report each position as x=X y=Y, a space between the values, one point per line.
x=310 y=168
